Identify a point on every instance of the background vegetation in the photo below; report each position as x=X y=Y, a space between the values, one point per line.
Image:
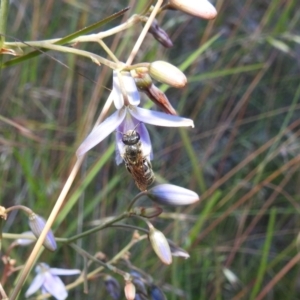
x=242 y=157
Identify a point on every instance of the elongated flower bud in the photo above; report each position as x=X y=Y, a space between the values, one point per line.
x=141 y=77
x=129 y=290
x=144 y=83
x=112 y=286
x=157 y=294
x=37 y=224
x=177 y=251
x=169 y=194
x=160 y=35
x=198 y=8
x=160 y=99
x=23 y=241
x=138 y=282
x=160 y=245
x=167 y=73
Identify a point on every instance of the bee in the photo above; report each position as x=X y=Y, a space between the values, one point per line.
x=136 y=162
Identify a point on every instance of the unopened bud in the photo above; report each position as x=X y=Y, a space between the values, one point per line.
x=141 y=77
x=160 y=99
x=26 y=238
x=157 y=294
x=129 y=290
x=160 y=245
x=112 y=286
x=198 y=8
x=139 y=284
x=37 y=224
x=160 y=35
x=177 y=251
x=169 y=194
x=147 y=212
x=167 y=73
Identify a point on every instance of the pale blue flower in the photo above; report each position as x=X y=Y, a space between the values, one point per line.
x=48 y=281
x=169 y=194
x=126 y=99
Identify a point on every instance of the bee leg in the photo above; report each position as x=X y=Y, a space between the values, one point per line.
x=128 y=169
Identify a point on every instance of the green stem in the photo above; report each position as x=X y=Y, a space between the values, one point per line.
x=137 y=197
x=3 y=18
x=97 y=228
x=112 y=268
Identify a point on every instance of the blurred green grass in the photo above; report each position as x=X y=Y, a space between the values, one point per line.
x=242 y=157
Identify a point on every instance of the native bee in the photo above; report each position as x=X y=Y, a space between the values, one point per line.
x=136 y=162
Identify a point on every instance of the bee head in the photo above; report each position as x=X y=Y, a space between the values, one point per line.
x=131 y=137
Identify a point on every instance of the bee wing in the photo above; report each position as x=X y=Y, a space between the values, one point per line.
x=138 y=175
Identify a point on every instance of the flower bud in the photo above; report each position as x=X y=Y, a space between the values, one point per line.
x=198 y=8
x=160 y=35
x=177 y=251
x=169 y=194
x=24 y=241
x=112 y=286
x=160 y=245
x=141 y=77
x=137 y=280
x=147 y=212
x=37 y=224
x=167 y=73
x=160 y=99
x=129 y=290
x=157 y=294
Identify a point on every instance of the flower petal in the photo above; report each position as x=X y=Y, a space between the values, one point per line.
x=159 y=118
x=129 y=88
x=56 y=271
x=116 y=92
x=54 y=286
x=101 y=131
x=35 y=285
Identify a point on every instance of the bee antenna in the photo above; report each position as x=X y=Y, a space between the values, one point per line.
x=137 y=125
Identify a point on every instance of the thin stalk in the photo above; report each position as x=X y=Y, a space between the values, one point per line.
x=265 y=254
x=112 y=268
x=96 y=58
x=137 y=197
x=143 y=33
x=97 y=228
x=4 y=4
x=94 y=37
